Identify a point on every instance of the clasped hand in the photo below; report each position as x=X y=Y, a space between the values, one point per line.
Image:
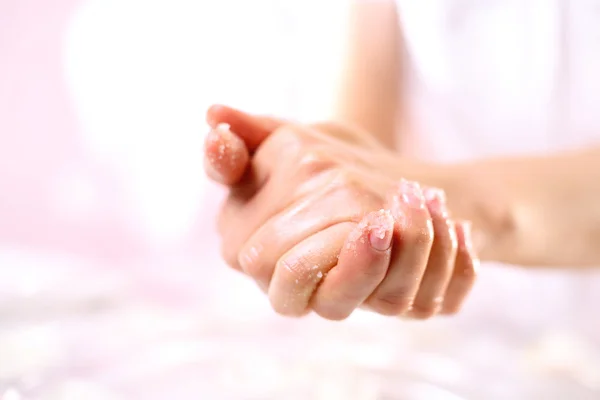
x=317 y=217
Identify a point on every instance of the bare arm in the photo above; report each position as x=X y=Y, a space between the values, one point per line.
x=533 y=211
x=369 y=92
x=537 y=211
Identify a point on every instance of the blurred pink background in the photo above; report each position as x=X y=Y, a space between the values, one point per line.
x=60 y=193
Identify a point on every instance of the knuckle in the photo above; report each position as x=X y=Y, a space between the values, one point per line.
x=346 y=184
x=295 y=268
x=286 y=132
x=288 y=137
x=313 y=161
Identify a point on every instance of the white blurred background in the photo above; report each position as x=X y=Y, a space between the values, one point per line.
x=142 y=73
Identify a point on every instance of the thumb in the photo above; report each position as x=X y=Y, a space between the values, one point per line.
x=251 y=129
x=226 y=157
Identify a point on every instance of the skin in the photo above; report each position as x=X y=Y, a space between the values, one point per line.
x=537 y=211
x=315 y=222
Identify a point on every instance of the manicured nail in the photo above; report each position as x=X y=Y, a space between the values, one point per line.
x=411 y=194
x=381 y=229
x=436 y=201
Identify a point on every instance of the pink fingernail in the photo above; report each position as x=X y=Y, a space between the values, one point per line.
x=381 y=229
x=218 y=145
x=436 y=201
x=411 y=194
x=213 y=160
x=224 y=152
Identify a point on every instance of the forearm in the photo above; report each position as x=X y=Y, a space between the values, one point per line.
x=536 y=211
x=369 y=87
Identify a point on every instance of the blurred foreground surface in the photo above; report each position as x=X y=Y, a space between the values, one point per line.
x=73 y=331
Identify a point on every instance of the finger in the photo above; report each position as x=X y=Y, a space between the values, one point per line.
x=414 y=232
x=279 y=155
x=299 y=271
x=441 y=259
x=362 y=265
x=300 y=151
x=328 y=206
x=465 y=270
x=252 y=129
x=269 y=187
x=226 y=156
x=296 y=154
x=234 y=135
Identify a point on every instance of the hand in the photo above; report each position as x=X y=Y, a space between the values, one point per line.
x=301 y=222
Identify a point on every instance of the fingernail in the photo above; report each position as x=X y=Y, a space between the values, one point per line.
x=436 y=201
x=381 y=229
x=216 y=145
x=225 y=154
x=411 y=194
x=214 y=150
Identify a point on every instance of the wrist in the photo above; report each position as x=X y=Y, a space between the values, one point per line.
x=478 y=195
x=475 y=193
